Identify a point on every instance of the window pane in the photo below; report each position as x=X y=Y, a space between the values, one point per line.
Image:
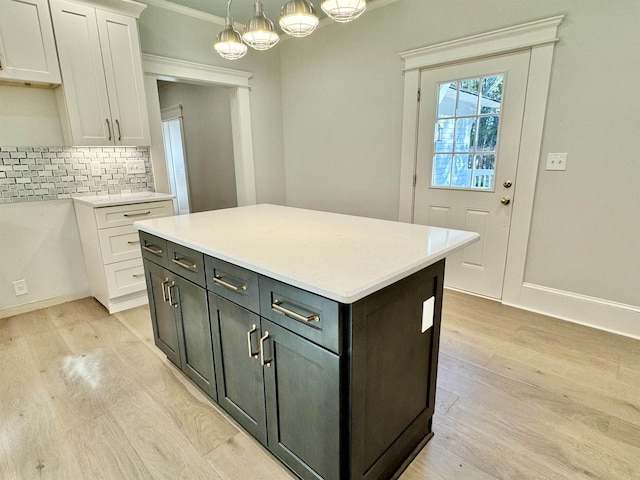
x=441 y=170
x=487 y=134
x=465 y=131
x=491 y=99
x=447 y=99
x=461 y=172
x=483 y=172
x=468 y=97
x=443 y=136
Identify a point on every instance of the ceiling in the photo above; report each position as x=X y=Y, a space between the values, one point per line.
x=242 y=10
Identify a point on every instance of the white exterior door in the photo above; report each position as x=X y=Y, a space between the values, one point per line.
x=469 y=128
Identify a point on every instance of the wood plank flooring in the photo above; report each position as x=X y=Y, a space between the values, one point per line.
x=86 y=395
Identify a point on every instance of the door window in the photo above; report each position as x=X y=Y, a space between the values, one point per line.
x=466 y=133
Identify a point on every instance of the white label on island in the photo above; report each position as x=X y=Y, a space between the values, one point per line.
x=427 y=313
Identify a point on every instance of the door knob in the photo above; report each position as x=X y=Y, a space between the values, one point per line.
x=507 y=184
x=505 y=200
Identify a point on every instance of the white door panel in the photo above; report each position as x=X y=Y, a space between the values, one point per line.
x=464 y=157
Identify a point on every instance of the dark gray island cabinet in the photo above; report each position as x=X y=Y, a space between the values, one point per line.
x=336 y=386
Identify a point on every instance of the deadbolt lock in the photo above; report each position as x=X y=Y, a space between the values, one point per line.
x=505 y=200
x=507 y=184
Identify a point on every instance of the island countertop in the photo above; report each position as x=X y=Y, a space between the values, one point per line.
x=341 y=257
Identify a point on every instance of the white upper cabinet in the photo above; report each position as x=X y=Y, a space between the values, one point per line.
x=27 y=47
x=102 y=99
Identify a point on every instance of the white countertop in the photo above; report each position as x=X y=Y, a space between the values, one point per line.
x=121 y=198
x=341 y=257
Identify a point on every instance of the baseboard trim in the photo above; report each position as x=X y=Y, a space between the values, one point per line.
x=44 y=303
x=618 y=318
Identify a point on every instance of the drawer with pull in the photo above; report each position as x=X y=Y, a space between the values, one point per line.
x=125 y=277
x=119 y=243
x=311 y=316
x=232 y=282
x=119 y=215
x=153 y=248
x=186 y=262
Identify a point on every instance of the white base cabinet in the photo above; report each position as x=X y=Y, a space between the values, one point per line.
x=102 y=99
x=27 y=48
x=111 y=250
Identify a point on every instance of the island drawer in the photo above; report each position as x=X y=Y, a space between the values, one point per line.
x=153 y=248
x=186 y=262
x=232 y=282
x=311 y=316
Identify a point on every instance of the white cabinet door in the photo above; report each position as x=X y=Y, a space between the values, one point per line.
x=125 y=79
x=84 y=91
x=102 y=100
x=27 y=47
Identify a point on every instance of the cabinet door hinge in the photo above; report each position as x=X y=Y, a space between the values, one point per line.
x=418 y=94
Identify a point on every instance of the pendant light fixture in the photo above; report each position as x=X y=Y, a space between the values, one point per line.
x=229 y=42
x=344 y=11
x=259 y=32
x=298 y=18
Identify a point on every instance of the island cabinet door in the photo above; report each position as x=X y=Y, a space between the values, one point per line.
x=190 y=303
x=302 y=385
x=236 y=338
x=163 y=316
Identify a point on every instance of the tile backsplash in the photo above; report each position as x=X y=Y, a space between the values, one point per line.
x=48 y=173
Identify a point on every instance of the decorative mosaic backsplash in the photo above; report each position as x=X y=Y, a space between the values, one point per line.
x=48 y=173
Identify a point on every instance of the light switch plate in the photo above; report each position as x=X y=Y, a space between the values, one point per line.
x=557 y=161
x=135 y=166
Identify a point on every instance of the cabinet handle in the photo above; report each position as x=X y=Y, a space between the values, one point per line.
x=188 y=266
x=277 y=306
x=136 y=275
x=142 y=214
x=250 y=333
x=264 y=362
x=0 y=64
x=133 y=242
x=119 y=132
x=164 y=292
x=218 y=280
x=108 y=128
x=171 y=285
x=153 y=249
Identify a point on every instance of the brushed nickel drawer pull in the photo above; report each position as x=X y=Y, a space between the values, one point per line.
x=137 y=214
x=277 y=306
x=136 y=275
x=133 y=242
x=218 y=280
x=188 y=266
x=153 y=249
x=109 y=128
x=250 y=333
x=119 y=132
x=172 y=285
x=264 y=362
x=164 y=291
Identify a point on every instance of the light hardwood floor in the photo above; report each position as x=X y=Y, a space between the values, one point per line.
x=86 y=395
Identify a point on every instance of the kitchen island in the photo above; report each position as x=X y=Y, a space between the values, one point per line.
x=316 y=332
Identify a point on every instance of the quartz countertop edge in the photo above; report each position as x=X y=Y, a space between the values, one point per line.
x=341 y=257
x=121 y=198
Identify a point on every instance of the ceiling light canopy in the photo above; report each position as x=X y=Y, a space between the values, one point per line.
x=344 y=11
x=297 y=18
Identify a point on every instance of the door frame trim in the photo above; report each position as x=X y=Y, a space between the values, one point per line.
x=538 y=37
x=175 y=70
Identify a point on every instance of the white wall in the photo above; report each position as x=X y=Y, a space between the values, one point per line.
x=342 y=107
x=40 y=243
x=208 y=143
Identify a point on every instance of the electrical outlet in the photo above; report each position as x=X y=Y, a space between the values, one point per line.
x=135 y=166
x=557 y=161
x=20 y=286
